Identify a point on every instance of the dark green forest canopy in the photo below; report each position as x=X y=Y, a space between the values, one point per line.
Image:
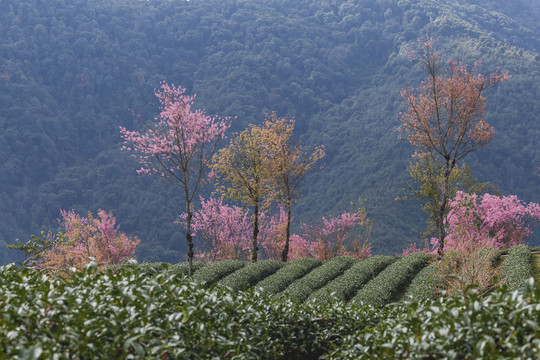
x=71 y=72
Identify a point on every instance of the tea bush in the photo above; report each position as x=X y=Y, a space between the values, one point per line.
x=250 y=274
x=516 y=267
x=345 y=286
x=425 y=285
x=218 y=270
x=292 y=271
x=503 y=325
x=317 y=278
x=382 y=289
x=122 y=315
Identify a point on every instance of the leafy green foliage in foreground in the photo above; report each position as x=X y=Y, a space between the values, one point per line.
x=503 y=325
x=111 y=315
x=118 y=315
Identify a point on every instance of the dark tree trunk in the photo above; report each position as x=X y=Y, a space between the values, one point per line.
x=285 y=252
x=255 y=249
x=189 y=238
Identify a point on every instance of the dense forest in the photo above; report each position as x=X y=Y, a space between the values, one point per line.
x=72 y=72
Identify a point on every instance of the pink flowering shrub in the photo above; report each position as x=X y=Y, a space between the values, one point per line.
x=488 y=220
x=223 y=231
x=273 y=233
x=330 y=239
x=84 y=238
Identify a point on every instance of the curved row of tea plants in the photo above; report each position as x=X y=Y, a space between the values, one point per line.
x=285 y=276
x=345 y=286
x=385 y=287
x=517 y=267
x=319 y=277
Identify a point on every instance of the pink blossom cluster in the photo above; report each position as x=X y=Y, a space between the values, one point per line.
x=329 y=239
x=83 y=238
x=224 y=232
x=489 y=220
x=484 y=221
x=178 y=136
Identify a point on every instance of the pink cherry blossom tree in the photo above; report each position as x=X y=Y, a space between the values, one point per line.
x=178 y=146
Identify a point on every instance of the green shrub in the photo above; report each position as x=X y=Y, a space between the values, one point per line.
x=218 y=270
x=516 y=268
x=292 y=271
x=345 y=286
x=425 y=285
x=250 y=274
x=386 y=286
x=319 y=277
x=503 y=325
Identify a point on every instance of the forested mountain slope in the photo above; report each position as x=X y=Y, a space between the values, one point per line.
x=72 y=72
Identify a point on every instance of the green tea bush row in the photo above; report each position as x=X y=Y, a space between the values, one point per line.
x=182 y=268
x=345 y=286
x=292 y=271
x=503 y=325
x=319 y=277
x=216 y=271
x=250 y=274
x=516 y=267
x=425 y=284
x=152 y=269
x=382 y=289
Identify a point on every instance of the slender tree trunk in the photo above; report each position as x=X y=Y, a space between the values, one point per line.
x=285 y=252
x=443 y=207
x=189 y=237
x=255 y=249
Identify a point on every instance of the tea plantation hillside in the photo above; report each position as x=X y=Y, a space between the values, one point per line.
x=306 y=309
x=377 y=280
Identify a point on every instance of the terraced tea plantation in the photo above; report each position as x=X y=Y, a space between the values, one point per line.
x=344 y=308
x=378 y=280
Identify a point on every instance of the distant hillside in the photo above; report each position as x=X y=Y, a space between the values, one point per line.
x=72 y=72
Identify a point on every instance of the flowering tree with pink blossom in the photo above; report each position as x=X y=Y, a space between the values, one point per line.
x=477 y=221
x=223 y=231
x=178 y=146
x=489 y=220
x=443 y=119
x=273 y=235
x=79 y=240
x=329 y=239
